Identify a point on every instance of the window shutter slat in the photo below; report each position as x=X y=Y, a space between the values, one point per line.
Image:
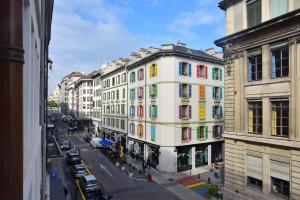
x=206 y=132
x=156 y=112
x=190 y=133
x=214 y=112
x=156 y=70
x=190 y=70
x=180 y=112
x=213 y=73
x=180 y=69
x=155 y=90
x=221 y=92
x=221 y=112
x=205 y=72
x=273 y=67
x=198 y=132
x=150 y=71
x=221 y=74
x=190 y=91
x=150 y=111
x=180 y=90
x=190 y=112
x=198 y=71
x=214 y=92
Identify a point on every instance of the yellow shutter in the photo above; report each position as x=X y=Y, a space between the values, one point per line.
x=155 y=70
x=202 y=111
x=250 y=121
x=150 y=71
x=274 y=121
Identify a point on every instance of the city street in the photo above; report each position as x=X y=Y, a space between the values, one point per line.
x=113 y=180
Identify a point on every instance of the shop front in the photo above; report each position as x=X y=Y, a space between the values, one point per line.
x=136 y=149
x=217 y=152
x=152 y=155
x=184 y=158
x=201 y=155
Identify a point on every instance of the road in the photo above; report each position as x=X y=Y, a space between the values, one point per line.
x=114 y=181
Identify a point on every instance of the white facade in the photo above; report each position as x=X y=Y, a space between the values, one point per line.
x=97 y=102
x=114 y=100
x=162 y=134
x=54 y=96
x=84 y=97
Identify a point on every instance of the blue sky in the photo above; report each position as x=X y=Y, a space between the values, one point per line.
x=88 y=33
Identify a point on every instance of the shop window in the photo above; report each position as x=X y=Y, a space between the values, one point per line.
x=185 y=112
x=185 y=69
x=185 y=90
x=217 y=152
x=153 y=90
x=184 y=158
x=280 y=118
x=280 y=60
x=253 y=12
x=255 y=66
x=201 y=155
x=255 y=117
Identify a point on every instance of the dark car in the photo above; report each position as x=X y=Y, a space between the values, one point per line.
x=73 y=157
x=74 y=128
x=87 y=138
x=79 y=170
x=92 y=189
x=65 y=145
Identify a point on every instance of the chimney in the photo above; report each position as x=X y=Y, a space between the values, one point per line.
x=181 y=44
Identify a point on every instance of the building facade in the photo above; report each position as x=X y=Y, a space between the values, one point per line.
x=175 y=117
x=24 y=38
x=97 y=101
x=84 y=97
x=54 y=96
x=262 y=116
x=114 y=101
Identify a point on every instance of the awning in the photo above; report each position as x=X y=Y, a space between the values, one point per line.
x=106 y=142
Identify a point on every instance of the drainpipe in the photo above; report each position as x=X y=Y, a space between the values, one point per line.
x=11 y=101
x=145 y=113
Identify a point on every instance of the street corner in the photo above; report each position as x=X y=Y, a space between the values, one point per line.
x=198 y=186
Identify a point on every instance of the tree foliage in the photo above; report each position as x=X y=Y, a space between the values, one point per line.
x=52 y=103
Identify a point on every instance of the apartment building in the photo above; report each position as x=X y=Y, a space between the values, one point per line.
x=24 y=38
x=97 y=102
x=114 y=101
x=262 y=113
x=175 y=107
x=84 y=97
x=54 y=96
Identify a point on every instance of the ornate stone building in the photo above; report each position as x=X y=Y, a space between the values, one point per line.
x=262 y=114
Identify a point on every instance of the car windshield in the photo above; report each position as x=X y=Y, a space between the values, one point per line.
x=80 y=168
x=92 y=182
x=66 y=142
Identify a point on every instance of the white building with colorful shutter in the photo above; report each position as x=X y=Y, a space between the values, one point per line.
x=175 y=120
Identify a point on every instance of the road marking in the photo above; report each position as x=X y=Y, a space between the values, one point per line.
x=87 y=169
x=84 y=150
x=80 y=190
x=104 y=168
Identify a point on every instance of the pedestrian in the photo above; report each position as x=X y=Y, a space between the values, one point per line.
x=144 y=166
x=66 y=191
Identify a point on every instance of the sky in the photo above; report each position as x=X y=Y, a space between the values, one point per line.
x=88 y=33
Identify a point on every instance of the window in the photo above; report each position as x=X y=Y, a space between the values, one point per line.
x=185 y=90
x=123 y=124
x=217 y=112
x=280 y=118
x=112 y=109
x=185 y=69
x=84 y=98
x=132 y=128
x=280 y=60
x=141 y=74
x=140 y=92
x=280 y=177
x=108 y=95
x=185 y=112
x=255 y=66
x=132 y=111
x=104 y=96
x=186 y=134
x=217 y=93
x=238 y=16
x=123 y=93
x=201 y=91
x=153 y=111
x=117 y=123
x=140 y=111
x=118 y=109
x=153 y=132
x=254 y=171
x=201 y=71
x=113 y=95
x=84 y=92
x=217 y=73
x=108 y=121
x=124 y=77
x=140 y=130
x=278 y=7
x=112 y=122
x=153 y=70
x=255 y=117
x=113 y=81
x=153 y=90
x=118 y=79
x=117 y=94
x=202 y=132
x=132 y=94
x=123 y=109
x=132 y=77
x=217 y=131
x=253 y=12
x=202 y=111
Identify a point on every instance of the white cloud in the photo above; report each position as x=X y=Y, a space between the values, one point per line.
x=86 y=34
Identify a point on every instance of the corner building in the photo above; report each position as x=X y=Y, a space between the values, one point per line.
x=262 y=114
x=175 y=108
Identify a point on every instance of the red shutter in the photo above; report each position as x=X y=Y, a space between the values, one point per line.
x=190 y=133
x=206 y=72
x=198 y=71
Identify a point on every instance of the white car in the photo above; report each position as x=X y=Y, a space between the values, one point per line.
x=95 y=142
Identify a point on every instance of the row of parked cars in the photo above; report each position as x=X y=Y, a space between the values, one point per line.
x=88 y=183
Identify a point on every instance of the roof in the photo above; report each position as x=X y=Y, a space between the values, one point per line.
x=225 y=3
x=90 y=177
x=76 y=74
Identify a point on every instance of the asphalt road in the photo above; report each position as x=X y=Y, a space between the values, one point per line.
x=114 y=181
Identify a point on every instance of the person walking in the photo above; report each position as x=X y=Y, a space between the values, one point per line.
x=144 y=166
x=66 y=191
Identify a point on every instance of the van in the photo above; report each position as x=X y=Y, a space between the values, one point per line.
x=95 y=142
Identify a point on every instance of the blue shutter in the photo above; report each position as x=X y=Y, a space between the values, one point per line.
x=180 y=90
x=180 y=68
x=213 y=92
x=273 y=67
x=190 y=70
x=249 y=71
x=221 y=92
x=190 y=91
x=221 y=112
x=214 y=112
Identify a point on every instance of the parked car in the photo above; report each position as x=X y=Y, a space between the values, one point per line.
x=87 y=138
x=95 y=142
x=66 y=145
x=79 y=170
x=74 y=128
x=73 y=157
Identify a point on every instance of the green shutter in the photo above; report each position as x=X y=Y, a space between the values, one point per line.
x=156 y=112
x=221 y=74
x=206 y=132
x=198 y=132
x=150 y=111
x=155 y=90
x=213 y=73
